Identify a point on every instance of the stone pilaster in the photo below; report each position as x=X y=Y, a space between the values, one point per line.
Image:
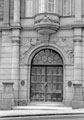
x=77 y=83
x=77 y=101
x=17 y=12
x=6 y=13
x=15 y=47
x=78 y=4
x=15 y=58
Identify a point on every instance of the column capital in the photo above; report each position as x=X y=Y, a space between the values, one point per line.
x=15 y=35
x=15 y=39
x=77 y=38
x=77 y=24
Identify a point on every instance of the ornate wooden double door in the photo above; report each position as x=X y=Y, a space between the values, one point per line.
x=46 y=83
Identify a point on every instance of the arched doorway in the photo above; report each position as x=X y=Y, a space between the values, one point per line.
x=46 y=83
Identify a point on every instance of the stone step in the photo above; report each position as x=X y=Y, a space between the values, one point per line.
x=48 y=104
x=42 y=106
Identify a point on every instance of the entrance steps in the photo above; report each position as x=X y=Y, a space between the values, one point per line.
x=42 y=106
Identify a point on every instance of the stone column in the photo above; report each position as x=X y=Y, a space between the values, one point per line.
x=77 y=83
x=77 y=101
x=15 y=59
x=78 y=10
x=6 y=13
x=17 y=12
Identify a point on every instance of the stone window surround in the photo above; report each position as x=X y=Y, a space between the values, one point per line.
x=66 y=7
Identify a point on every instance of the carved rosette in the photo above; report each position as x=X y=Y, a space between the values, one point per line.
x=46 y=23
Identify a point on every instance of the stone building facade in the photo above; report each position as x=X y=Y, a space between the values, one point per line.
x=41 y=52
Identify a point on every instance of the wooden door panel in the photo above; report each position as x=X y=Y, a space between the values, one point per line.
x=46 y=83
x=54 y=84
x=37 y=84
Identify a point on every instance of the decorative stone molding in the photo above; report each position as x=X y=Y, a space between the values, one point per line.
x=46 y=23
x=25 y=45
x=64 y=43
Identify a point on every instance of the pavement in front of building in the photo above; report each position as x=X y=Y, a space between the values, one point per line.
x=41 y=111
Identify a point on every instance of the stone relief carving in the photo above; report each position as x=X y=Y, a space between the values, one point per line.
x=65 y=43
x=47 y=18
x=26 y=44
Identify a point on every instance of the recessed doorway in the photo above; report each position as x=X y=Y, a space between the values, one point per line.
x=46 y=84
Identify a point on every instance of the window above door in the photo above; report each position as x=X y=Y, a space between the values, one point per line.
x=47 y=6
x=60 y=7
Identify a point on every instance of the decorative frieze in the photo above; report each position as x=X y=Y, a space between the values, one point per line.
x=64 y=43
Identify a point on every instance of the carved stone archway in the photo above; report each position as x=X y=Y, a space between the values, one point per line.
x=46 y=78
x=34 y=51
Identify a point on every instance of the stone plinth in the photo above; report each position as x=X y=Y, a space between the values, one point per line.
x=77 y=101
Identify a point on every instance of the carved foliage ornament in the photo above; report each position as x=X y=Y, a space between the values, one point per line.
x=65 y=43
